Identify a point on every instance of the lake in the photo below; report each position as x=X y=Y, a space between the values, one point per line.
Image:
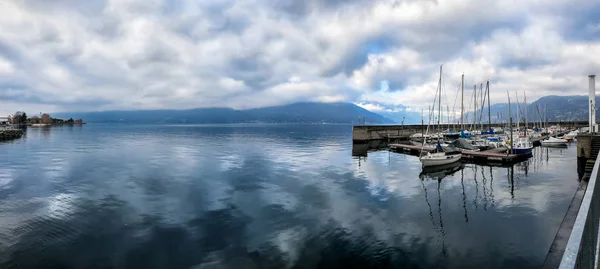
x=266 y=196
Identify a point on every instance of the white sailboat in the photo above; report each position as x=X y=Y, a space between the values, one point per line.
x=439 y=157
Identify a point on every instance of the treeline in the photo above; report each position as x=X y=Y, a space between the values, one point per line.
x=21 y=118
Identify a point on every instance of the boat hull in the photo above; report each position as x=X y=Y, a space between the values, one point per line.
x=554 y=142
x=560 y=143
x=437 y=160
x=522 y=150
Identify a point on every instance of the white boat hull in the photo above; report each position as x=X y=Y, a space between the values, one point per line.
x=441 y=159
x=554 y=142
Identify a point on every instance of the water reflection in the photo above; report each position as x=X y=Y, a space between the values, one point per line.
x=264 y=197
x=464 y=195
x=438 y=173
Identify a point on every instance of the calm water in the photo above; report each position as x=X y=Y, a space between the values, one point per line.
x=125 y=196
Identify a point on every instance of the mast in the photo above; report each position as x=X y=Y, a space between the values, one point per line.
x=512 y=141
x=475 y=106
x=482 y=104
x=448 y=111
x=462 y=102
x=483 y=97
x=440 y=100
x=518 y=111
x=422 y=125
x=487 y=88
x=525 y=100
x=545 y=116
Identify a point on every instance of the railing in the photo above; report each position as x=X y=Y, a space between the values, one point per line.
x=582 y=247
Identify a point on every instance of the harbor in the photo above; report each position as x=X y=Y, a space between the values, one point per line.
x=445 y=149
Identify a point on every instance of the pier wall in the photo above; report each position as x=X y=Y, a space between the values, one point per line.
x=364 y=133
x=584 y=146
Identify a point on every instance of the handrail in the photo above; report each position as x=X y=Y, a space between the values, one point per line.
x=582 y=248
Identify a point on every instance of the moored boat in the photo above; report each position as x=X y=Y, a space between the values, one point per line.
x=522 y=145
x=439 y=158
x=552 y=141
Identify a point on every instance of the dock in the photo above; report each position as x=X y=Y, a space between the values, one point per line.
x=366 y=133
x=491 y=156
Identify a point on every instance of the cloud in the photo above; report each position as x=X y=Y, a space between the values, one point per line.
x=108 y=54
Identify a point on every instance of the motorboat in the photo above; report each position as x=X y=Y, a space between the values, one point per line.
x=552 y=141
x=494 y=142
x=571 y=135
x=522 y=145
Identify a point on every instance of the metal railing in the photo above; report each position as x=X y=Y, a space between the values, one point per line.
x=582 y=247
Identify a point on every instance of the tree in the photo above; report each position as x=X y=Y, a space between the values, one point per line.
x=46 y=119
x=24 y=117
x=18 y=118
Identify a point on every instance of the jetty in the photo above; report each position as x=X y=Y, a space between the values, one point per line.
x=491 y=156
x=10 y=134
x=366 y=133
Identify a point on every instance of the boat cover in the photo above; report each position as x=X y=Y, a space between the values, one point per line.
x=462 y=143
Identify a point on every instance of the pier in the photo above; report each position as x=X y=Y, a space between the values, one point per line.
x=366 y=133
x=9 y=134
x=577 y=242
x=491 y=156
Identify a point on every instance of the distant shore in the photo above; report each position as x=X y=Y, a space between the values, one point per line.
x=52 y=124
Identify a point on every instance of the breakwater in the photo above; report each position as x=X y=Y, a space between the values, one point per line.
x=10 y=134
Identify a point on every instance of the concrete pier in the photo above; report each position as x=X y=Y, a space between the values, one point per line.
x=365 y=133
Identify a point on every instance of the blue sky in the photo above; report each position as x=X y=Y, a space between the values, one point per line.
x=72 y=55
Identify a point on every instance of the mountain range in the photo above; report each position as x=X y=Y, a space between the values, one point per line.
x=306 y=112
x=552 y=108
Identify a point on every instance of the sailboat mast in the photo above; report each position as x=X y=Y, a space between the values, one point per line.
x=462 y=102
x=482 y=99
x=512 y=141
x=422 y=125
x=474 y=106
x=448 y=111
x=487 y=88
x=440 y=100
x=525 y=100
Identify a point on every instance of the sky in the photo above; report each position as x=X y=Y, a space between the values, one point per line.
x=94 y=55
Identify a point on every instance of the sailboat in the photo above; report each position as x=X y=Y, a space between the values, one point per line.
x=521 y=145
x=439 y=156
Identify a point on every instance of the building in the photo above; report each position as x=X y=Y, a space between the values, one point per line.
x=4 y=120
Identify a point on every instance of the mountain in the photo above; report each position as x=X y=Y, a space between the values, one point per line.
x=553 y=108
x=307 y=112
x=562 y=108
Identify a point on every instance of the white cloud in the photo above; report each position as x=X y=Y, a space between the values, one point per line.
x=96 y=55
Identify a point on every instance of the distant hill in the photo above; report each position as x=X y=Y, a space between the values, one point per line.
x=307 y=112
x=554 y=108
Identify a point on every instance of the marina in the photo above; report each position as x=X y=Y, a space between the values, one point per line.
x=511 y=145
x=491 y=156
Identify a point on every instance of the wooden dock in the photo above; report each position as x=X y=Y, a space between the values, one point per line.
x=491 y=156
